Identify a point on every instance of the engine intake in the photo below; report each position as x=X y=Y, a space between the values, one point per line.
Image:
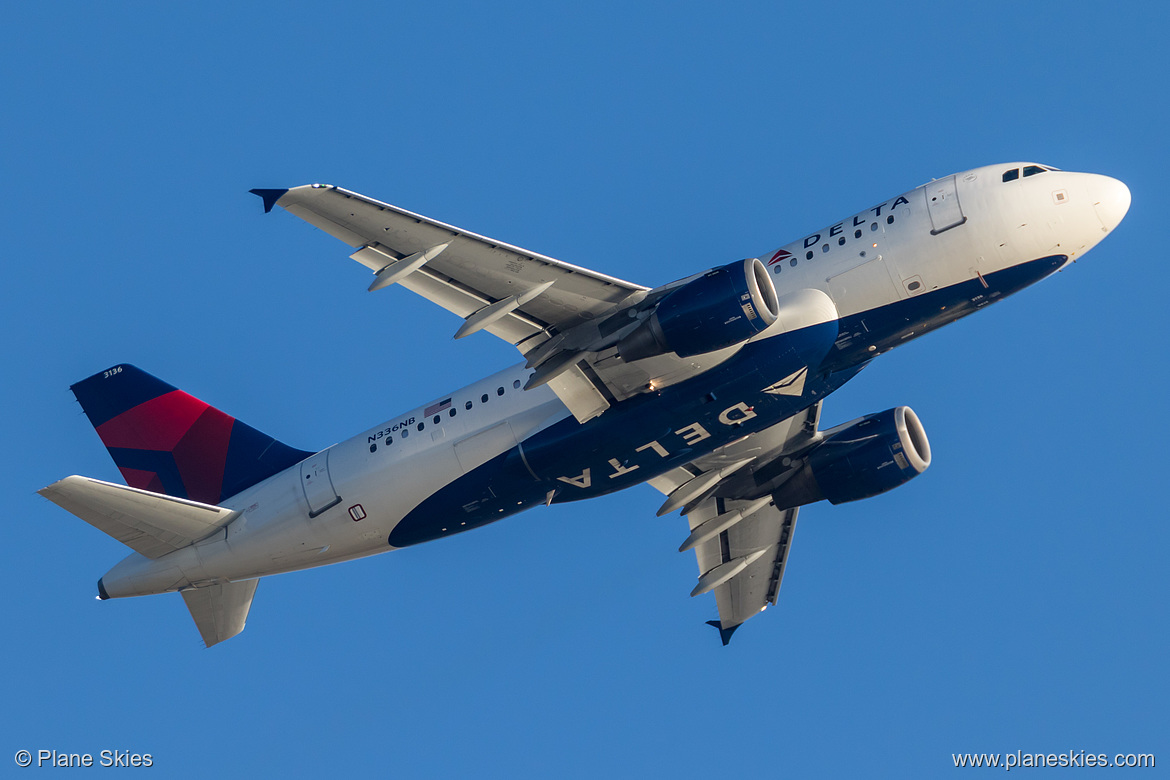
x=877 y=453
x=723 y=307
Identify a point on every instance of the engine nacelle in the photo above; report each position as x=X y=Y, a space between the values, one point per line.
x=723 y=307
x=877 y=453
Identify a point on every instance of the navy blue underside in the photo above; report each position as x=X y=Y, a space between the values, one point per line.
x=513 y=482
x=888 y=326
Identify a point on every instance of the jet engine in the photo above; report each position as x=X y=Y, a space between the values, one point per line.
x=859 y=460
x=723 y=307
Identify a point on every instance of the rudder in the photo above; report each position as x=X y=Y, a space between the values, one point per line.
x=167 y=441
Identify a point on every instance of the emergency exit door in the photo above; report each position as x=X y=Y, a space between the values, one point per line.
x=317 y=485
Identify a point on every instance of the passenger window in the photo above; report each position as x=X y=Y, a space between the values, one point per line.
x=1011 y=175
x=776 y=269
x=499 y=391
x=824 y=247
x=890 y=220
x=405 y=432
x=467 y=406
x=841 y=241
x=421 y=425
x=873 y=227
x=1032 y=170
x=451 y=413
x=437 y=419
x=808 y=255
x=516 y=385
x=792 y=262
x=857 y=234
x=483 y=398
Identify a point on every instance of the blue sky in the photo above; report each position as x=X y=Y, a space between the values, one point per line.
x=1013 y=598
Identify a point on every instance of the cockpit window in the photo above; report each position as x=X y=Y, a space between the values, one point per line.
x=1011 y=175
x=1032 y=170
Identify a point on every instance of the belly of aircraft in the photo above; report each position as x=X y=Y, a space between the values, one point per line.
x=651 y=434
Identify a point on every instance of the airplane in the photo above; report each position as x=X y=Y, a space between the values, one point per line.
x=708 y=388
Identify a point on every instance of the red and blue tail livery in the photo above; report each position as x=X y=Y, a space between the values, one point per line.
x=166 y=441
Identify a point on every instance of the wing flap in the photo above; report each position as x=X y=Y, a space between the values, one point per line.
x=149 y=523
x=765 y=537
x=220 y=611
x=456 y=298
x=580 y=393
x=758 y=585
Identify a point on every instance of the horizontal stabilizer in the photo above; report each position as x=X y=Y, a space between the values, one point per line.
x=149 y=523
x=220 y=611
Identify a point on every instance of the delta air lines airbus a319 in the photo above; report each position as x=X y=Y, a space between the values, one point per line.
x=708 y=388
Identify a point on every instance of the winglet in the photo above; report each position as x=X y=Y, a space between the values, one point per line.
x=724 y=633
x=269 y=197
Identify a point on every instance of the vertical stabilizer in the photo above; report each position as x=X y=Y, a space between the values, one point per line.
x=220 y=611
x=166 y=441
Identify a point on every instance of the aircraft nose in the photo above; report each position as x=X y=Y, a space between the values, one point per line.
x=1110 y=200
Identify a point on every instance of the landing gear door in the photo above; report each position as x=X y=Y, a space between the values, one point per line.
x=317 y=484
x=942 y=199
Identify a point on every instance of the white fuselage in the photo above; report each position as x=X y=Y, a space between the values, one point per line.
x=344 y=502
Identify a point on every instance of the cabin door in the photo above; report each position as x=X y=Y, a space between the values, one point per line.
x=317 y=484
x=942 y=200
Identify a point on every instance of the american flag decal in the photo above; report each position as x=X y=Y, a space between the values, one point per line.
x=436 y=408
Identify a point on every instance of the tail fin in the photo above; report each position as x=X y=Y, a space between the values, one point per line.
x=220 y=611
x=166 y=441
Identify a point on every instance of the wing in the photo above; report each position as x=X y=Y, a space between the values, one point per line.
x=564 y=319
x=534 y=295
x=741 y=540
